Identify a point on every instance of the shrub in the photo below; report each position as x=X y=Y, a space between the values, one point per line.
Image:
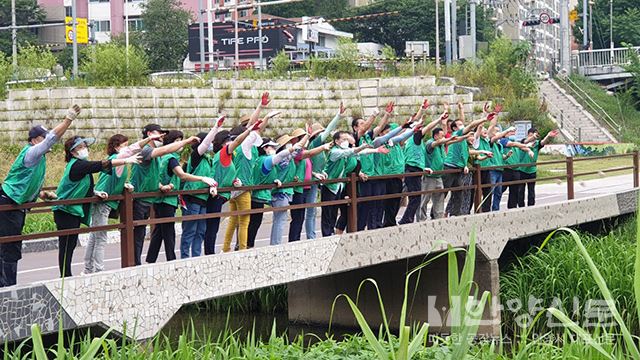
x=280 y=64
x=106 y=65
x=35 y=62
x=529 y=109
x=5 y=73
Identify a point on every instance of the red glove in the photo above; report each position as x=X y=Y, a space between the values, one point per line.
x=497 y=108
x=256 y=126
x=220 y=120
x=417 y=129
x=389 y=108
x=491 y=116
x=425 y=104
x=265 y=99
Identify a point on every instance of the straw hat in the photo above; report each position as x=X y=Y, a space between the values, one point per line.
x=297 y=133
x=284 y=140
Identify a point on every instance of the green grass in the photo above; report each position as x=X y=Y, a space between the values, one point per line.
x=561 y=272
x=583 y=166
x=619 y=106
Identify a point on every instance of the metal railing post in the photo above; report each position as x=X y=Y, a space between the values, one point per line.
x=352 y=223
x=636 y=169
x=570 y=193
x=127 y=256
x=478 y=191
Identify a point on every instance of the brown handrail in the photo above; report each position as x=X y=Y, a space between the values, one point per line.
x=127 y=224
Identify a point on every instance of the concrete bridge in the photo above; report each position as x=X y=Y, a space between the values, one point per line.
x=144 y=298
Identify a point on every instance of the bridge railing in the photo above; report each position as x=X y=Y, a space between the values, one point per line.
x=605 y=57
x=351 y=199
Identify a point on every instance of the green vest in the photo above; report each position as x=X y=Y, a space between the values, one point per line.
x=496 y=160
x=111 y=183
x=515 y=158
x=285 y=174
x=393 y=162
x=434 y=160
x=166 y=179
x=301 y=171
x=319 y=160
x=244 y=166
x=204 y=168
x=368 y=162
x=146 y=178
x=68 y=189
x=22 y=183
x=458 y=154
x=485 y=146
x=223 y=175
x=526 y=159
x=335 y=170
x=259 y=178
x=415 y=155
x=350 y=165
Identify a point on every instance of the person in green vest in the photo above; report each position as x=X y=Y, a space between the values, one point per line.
x=23 y=184
x=530 y=172
x=171 y=177
x=318 y=163
x=304 y=173
x=415 y=161
x=335 y=168
x=145 y=177
x=264 y=172
x=77 y=183
x=352 y=166
x=112 y=182
x=224 y=170
x=434 y=160
x=457 y=158
x=244 y=159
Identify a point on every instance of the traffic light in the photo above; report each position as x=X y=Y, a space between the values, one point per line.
x=531 y=22
x=554 y=21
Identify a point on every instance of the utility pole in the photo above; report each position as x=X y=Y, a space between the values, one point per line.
x=611 y=28
x=210 y=32
x=237 y=47
x=454 y=30
x=437 y=36
x=473 y=28
x=14 y=39
x=585 y=32
x=565 y=44
x=447 y=31
x=75 y=39
x=201 y=35
x=591 y=24
x=260 y=33
x=126 y=32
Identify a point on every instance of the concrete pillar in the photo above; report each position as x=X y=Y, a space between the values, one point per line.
x=310 y=301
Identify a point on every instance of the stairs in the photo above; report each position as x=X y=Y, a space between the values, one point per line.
x=574 y=121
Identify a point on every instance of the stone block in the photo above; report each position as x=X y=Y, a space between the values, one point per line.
x=368 y=84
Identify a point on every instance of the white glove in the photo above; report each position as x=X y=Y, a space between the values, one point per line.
x=237 y=182
x=209 y=181
x=135 y=159
x=213 y=190
x=128 y=186
x=297 y=147
x=277 y=182
x=100 y=194
x=73 y=112
x=531 y=154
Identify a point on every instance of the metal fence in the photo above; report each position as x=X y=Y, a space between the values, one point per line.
x=127 y=223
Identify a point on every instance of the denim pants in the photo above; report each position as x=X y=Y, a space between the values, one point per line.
x=279 y=217
x=379 y=187
x=297 y=216
x=365 y=209
x=11 y=223
x=192 y=231
x=495 y=177
x=413 y=183
x=214 y=205
x=94 y=254
x=310 y=214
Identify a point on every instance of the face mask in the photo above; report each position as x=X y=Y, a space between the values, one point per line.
x=210 y=148
x=83 y=154
x=344 y=144
x=289 y=146
x=461 y=127
x=270 y=151
x=157 y=143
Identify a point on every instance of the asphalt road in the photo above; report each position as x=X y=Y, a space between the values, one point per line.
x=44 y=265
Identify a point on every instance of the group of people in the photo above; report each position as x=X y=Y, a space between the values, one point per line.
x=442 y=150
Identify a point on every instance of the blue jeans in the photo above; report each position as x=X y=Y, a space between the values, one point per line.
x=192 y=231
x=310 y=215
x=496 y=177
x=279 y=217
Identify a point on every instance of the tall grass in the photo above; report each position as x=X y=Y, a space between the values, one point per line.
x=270 y=300
x=561 y=272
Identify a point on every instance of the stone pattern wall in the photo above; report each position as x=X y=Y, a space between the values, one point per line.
x=126 y=110
x=148 y=296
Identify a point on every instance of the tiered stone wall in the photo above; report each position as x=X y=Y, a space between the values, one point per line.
x=127 y=110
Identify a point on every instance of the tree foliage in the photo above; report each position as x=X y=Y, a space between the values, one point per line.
x=626 y=27
x=415 y=22
x=108 y=65
x=165 y=39
x=324 y=8
x=27 y=12
x=34 y=62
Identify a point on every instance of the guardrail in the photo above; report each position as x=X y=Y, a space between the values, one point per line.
x=127 y=224
x=606 y=57
x=594 y=107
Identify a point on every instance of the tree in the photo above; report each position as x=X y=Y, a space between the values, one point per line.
x=108 y=65
x=27 y=12
x=324 y=8
x=415 y=22
x=626 y=27
x=165 y=36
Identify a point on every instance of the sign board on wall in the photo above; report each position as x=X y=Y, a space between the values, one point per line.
x=521 y=129
x=273 y=40
x=81 y=27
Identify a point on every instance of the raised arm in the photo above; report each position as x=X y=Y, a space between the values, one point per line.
x=264 y=102
x=432 y=125
x=333 y=123
x=315 y=151
x=237 y=141
x=168 y=149
x=474 y=124
x=461 y=111
x=385 y=119
x=204 y=145
x=35 y=152
x=193 y=178
x=402 y=137
x=72 y=114
x=552 y=134
x=368 y=123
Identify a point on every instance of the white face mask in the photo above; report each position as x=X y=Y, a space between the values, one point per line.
x=210 y=148
x=157 y=143
x=83 y=154
x=270 y=151
x=461 y=127
x=344 y=144
x=289 y=146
